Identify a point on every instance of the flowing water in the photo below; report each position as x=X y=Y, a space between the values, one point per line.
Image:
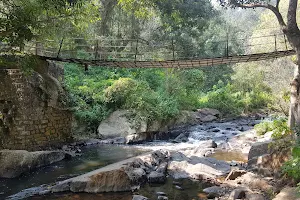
x=97 y=156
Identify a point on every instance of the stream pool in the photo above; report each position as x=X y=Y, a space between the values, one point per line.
x=92 y=158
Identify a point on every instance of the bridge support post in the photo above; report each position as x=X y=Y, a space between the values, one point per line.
x=60 y=45
x=173 y=49
x=96 y=51
x=227 y=45
x=136 y=50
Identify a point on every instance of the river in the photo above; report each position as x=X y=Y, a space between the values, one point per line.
x=97 y=156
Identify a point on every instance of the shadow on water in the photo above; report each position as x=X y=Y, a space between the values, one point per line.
x=92 y=158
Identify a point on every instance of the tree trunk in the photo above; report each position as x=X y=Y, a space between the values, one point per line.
x=294 y=111
x=293 y=35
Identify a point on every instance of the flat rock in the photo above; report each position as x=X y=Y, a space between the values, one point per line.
x=197 y=167
x=16 y=162
x=288 y=193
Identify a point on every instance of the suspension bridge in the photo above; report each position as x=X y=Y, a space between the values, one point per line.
x=138 y=53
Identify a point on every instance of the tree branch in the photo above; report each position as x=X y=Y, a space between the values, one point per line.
x=277 y=4
x=292 y=13
x=275 y=10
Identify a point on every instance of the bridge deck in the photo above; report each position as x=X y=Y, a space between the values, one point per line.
x=192 y=63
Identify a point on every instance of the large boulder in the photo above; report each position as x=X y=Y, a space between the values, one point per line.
x=16 y=162
x=119 y=125
x=126 y=175
x=263 y=156
x=208 y=114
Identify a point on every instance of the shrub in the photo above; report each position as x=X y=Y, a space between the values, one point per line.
x=292 y=167
x=263 y=127
x=138 y=97
x=278 y=126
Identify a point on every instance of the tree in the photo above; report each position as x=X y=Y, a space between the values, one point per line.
x=24 y=20
x=290 y=28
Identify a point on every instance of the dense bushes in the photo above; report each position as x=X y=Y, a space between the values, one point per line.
x=231 y=100
x=149 y=94
x=158 y=94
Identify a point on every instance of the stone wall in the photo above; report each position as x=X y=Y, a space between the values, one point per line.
x=27 y=119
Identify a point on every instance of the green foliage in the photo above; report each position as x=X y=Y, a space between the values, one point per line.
x=245 y=91
x=239 y=96
x=263 y=127
x=278 y=126
x=280 y=129
x=292 y=166
x=149 y=94
x=23 y=20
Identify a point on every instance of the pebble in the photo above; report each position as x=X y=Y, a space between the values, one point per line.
x=161 y=194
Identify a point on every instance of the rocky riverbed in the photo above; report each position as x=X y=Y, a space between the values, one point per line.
x=208 y=160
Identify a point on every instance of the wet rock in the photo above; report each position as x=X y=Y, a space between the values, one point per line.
x=234 y=163
x=234 y=174
x=237 y=194
x=155 y=177
x=161 y=194
x=139 y=197
x=180 y=138
x=215 y=130
x=137 y=138
x=207 y=144
x=162 y=198
x=16 y=162
x=241 y=128
x=214 y=191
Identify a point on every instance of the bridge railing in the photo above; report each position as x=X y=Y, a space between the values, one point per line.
x=110 y=49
